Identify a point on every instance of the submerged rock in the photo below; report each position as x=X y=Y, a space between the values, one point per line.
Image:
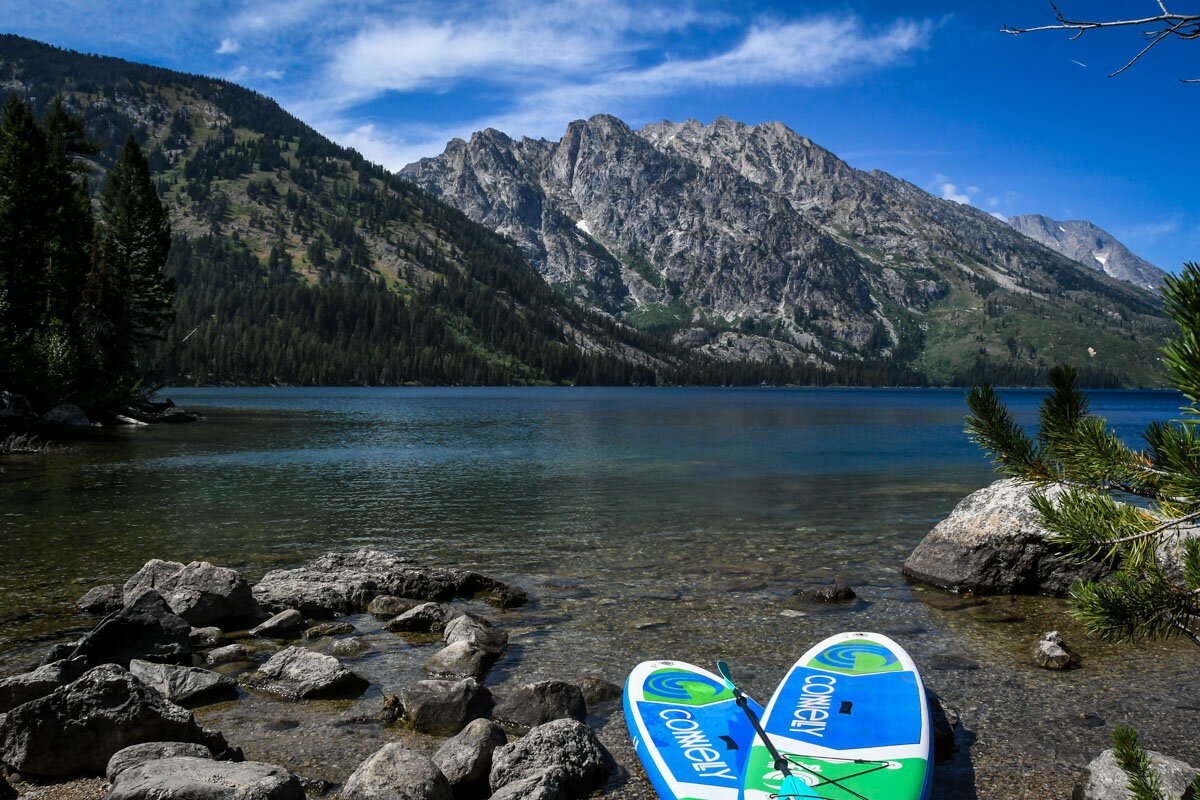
x=187 y=686
x=200 y=592
x=229 y=654
x=994 y=543
x=328 y=629
x=40 y=682
x=101 y=600
x=284 y=625
x=190 y=778
x=597 y=690
x=296 y=674
x=832 y=593
x=1105 y=780
x=535 y=704
x=466 y=758
x=396 y=773
x=210 y=636
x=146 y=629
x=387 y=606
x=78 y=727
x=566 y=746
x=149 y=751
x=425 y=618
x=442 y=706
x=1050 y=652
x=459 y=660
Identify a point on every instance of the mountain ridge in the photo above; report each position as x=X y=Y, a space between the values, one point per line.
x=1092 y=246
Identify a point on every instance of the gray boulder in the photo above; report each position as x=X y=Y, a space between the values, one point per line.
x=994 y=543
x=425 y=618
x=387 y=606
x=146 y=629
x=1104 y=780
x=297 y=674
x=209 y=636
x=1050 y=652
x=101 y=599
x=597 y=690
x=190 y=778
x=546 y=784
x=149 y=751
x=40 y=682
x=77 y=728
x=1169 y=551
x=187 y=686
x=67 y=415
x=535 y=704
x=396 y=773
x=466 y=758
x=230 y=654
x=284 y=625
x=328 y=629
x=478 y=632
x=565 y=745
x=349 y=647
x=200 y=592
x=444 y=707
x=459 y=660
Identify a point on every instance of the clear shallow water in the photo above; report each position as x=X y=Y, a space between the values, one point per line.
x=619 y=509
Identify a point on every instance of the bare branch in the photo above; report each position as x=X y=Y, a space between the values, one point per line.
x=1161 y=26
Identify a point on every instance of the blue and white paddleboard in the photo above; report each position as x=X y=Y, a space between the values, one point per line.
x=852 y=720
x=688 y=730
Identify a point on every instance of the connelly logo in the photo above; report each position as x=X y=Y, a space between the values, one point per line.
x=695 y=744
x=812 y=709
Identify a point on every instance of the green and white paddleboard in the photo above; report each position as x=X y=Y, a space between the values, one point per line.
x=852 y=720
x=688 y=730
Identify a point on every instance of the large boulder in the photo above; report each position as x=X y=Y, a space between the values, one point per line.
x=459 y=660
x=345 y=583
x=396 y=773
x=77 y=728
x=466 y=758
x=1104 y=780
x=545 y=784
x=190 y=778
x=187 y=686
x=538 y=703
x=284 y=625
x=149 y=751
x=146 y=629
x=442 y=706
x=298 y=674
x=40 y=682
x=564 y=745
x=478 y=632
x=200 y=592
x=994 y=543
x=101 y=599
x=66 y=415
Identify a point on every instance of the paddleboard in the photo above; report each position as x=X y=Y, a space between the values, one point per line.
x=688 y=730
x=852 y=720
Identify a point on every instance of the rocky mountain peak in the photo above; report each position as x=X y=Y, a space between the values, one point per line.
x=1091 y=246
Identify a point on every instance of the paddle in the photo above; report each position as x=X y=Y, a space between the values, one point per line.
x=792 y=786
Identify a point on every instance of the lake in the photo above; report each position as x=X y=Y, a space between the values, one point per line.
x=644 y=522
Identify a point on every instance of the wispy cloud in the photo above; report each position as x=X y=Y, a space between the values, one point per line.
x=229 y=45
x=1148 y=232
x=949 y=190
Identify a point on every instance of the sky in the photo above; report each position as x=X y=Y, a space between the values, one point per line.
x=932 y=92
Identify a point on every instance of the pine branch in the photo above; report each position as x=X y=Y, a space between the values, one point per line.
x=992 y=426
x=1135 y=604
x=1134 y=761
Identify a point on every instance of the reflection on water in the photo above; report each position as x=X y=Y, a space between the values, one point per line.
x=646 y=523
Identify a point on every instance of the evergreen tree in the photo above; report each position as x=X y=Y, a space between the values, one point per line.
x=1078 y=450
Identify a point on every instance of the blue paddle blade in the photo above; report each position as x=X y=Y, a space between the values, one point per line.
x=723 y=668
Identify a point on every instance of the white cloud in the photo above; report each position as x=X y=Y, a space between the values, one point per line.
x=993 y=201
x=950 y=192
x=1148 y=232
x=272 y=74
x=972 y=190
x=229 y=45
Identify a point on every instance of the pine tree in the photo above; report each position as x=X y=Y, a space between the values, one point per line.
x=1079 y=450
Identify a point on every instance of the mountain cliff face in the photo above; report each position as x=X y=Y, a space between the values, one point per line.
x=752 y=240
x=1091 y=246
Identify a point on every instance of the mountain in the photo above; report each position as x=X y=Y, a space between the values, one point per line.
x=299 y=262
x=1091 y=246
x=752 y=241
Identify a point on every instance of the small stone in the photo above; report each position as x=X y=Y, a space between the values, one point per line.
x=425 y=618
x=1050 y=652
x=205 y=637
x=349 y=647
x=395 y=772
x=328 y=629
x=150 y=751
x=597 y=690
x=466 y=759
x=651 y=624
x=229 y=654
x=101 y=600
x=388 y=606
x=832 y=593
x=505 y=597
x=284 y=625
x=1105 y=780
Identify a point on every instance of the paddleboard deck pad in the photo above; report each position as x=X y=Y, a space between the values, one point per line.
x=688 y=730
x=852 y=720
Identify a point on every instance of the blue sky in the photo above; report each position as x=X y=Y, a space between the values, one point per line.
x=929 y=91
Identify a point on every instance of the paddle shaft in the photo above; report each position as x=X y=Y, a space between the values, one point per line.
x=781 y=763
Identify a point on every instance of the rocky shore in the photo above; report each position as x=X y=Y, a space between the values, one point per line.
x=363 y=673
